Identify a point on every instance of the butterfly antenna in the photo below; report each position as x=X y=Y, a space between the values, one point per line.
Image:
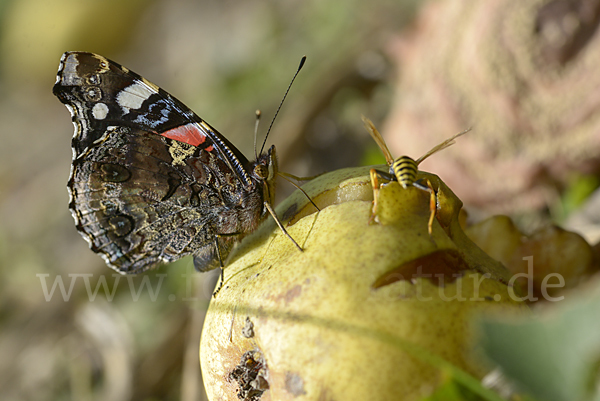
x=256 y=132
x=282 y=100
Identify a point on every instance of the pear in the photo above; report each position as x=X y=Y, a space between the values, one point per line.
x=342 y=319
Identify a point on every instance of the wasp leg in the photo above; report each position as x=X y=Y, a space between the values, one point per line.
x=375 y=183
x=432 y=201
x=375 y=176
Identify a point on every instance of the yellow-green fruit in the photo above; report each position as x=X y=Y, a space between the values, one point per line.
x=333 y=322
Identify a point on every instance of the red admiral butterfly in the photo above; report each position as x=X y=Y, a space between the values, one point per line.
x=151 y=181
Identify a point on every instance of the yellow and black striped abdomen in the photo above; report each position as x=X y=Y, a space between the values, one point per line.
x=405 y=169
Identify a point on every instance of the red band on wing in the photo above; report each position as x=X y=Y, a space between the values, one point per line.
x=189 y=133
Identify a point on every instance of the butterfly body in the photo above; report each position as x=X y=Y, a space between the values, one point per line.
x=151 y=181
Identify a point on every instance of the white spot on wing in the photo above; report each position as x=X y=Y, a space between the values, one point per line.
x=165 y=110
x=99 y=111
x=133 y=96
x=67 y=70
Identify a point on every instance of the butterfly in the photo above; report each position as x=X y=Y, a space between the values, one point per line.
x=150 y=181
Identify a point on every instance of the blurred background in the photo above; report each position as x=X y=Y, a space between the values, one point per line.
x=523 y=74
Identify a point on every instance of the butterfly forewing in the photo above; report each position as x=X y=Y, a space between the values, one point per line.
x=151 y=181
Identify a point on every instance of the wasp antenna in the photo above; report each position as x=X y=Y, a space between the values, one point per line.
x=302 y=61
x=256 y=132
x=378 y=140
x=448 y=142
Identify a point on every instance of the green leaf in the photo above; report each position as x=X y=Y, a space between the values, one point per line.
x=451 y=390
x=555 y=356
x=579 y=188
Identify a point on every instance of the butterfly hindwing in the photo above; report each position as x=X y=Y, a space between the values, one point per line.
x=151 y=181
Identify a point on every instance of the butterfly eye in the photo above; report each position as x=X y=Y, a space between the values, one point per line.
x=261 y=171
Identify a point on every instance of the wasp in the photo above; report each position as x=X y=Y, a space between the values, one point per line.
x=404 y=170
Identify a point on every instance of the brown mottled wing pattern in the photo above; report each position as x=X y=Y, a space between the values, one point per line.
x=138 y=196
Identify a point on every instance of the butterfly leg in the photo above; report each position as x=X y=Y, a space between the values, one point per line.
x=295 y=177
x=281 y=227
x=220 y=259
x=432 y=201
x=222 y=276
x=287 y=176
